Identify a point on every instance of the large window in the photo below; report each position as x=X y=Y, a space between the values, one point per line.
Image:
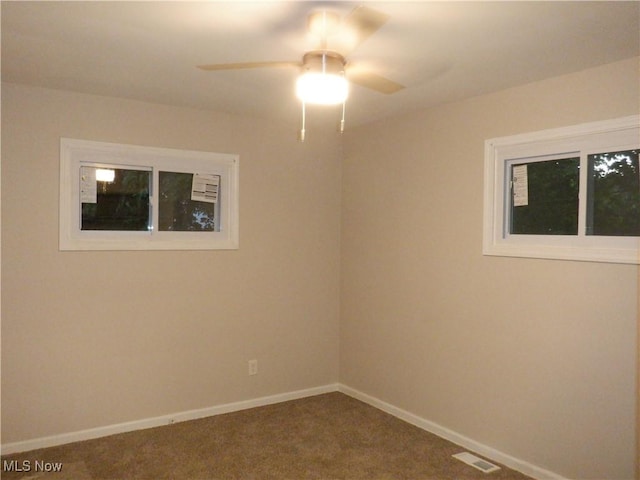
x=569 y=193
x=124 y=197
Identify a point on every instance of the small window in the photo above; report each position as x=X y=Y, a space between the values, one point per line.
x=123 y=197
x=571 y=193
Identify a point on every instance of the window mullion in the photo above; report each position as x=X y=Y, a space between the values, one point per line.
x=582 y=195
x=153 y=202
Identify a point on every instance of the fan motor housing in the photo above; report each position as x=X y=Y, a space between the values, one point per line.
x=323 y=61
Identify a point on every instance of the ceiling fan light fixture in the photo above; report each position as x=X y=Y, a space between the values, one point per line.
x=322 y=88
x=322 y=81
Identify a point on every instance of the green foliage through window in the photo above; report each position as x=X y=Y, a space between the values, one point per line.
x=552 y=207
x=177 y=211
x=121 y=204
x=614 y=194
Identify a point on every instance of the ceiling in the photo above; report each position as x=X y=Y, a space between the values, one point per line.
x=440 y=51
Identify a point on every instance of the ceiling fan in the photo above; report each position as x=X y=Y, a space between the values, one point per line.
x=325 y=72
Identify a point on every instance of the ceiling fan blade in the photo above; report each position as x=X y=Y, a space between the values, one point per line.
x=246 y=65
x=374 y=82
x=364 y=22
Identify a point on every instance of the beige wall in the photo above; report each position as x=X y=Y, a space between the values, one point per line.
x=97 y=338
x=535 y=358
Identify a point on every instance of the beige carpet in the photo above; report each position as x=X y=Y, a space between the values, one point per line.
x=329 y=436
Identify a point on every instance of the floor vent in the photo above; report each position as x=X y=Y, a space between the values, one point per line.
x=476 y=462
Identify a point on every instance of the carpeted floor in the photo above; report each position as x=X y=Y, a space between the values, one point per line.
x=329 y=436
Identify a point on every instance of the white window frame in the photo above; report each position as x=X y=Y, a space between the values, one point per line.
x=578 y=140
x=76 y=153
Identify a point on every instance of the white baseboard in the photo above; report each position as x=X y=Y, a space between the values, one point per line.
x=468 y=443
x=443 y=432
x=104 y=431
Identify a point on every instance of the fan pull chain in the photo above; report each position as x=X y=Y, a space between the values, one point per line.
x=304 y=120
x=302 y=131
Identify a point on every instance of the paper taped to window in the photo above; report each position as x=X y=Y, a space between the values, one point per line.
x=88 y=185
x=205 y=187
x=520 y=186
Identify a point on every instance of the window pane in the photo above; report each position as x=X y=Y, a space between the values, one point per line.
x=115 y=199
x=178 y=212
x=550 y=204
x=614 y=194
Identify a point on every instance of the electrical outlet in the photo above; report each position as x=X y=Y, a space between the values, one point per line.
x=253 y=367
